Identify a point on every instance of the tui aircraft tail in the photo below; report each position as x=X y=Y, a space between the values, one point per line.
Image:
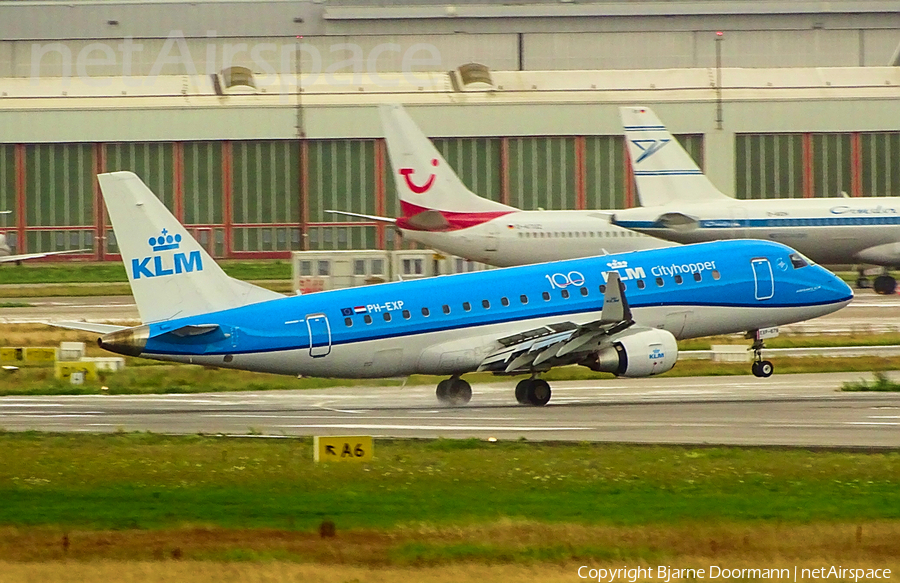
x=663 y=171
x=171 y=275
x=425 y=182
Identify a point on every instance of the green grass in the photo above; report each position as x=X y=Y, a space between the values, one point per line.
x=139 y=481
x=881 y=384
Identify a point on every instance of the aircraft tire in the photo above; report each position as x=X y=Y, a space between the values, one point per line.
x=443 y=389
x=766 y=369
x=538 y=392
x=459 y=392
x=885 y=285
x=522 y=391
x=754 y=368
x=863 y=283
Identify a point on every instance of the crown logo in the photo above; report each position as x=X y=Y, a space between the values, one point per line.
x=165 y=241
x=617 y=264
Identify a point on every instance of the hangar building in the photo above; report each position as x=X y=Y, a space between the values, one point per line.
x=251 y=118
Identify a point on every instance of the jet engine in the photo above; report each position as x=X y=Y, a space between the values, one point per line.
x=641 y=354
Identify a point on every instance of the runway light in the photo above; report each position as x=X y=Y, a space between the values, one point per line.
x=104 y=389
x=492 y=439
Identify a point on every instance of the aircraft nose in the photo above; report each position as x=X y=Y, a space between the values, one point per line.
x=838 y=289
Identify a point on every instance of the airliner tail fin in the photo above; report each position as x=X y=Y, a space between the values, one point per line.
x=171 y=275
x=663 y=171
x=424 y=179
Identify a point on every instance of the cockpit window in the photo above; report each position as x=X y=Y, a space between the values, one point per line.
x=798 y=260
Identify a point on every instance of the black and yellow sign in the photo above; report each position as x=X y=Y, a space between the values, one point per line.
x=352 y=448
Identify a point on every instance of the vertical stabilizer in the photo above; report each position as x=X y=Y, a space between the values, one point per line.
x=424 y=179
x=663 y=171
x=171 y=275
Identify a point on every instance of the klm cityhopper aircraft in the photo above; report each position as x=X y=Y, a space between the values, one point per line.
x=519 y=320
x=680 y=204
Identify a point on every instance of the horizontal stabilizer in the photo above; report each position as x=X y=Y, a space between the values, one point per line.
x=195 y=330
x=87 y=326
x=375 y=218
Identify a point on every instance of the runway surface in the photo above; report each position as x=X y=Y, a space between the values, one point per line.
x=800 y=410
x=867 y=313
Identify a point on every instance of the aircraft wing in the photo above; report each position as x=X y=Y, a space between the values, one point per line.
x=88 y=326
x=24 y=256
x=375 y=218
x=564 y=342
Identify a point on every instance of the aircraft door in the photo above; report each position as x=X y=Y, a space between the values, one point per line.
x=319 y=335
x=763 y=280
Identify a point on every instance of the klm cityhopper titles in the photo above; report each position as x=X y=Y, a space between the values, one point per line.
x=616 y=313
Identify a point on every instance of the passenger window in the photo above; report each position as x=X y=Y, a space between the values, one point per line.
x=716 y=274
x=659 y=281
x=584 y=291
x=546 y=296
x=504 y=302
x=697 y=276
x=467 y=306
x=678 y=279
x=348 y=322
x=523 y=298
x=368 y=319
x=602 y=288
x=406 y=314
x=640 y=284
x=446 y=309
x=565 y=294
x=486 y=304
x=425 y=312
x=387 y=316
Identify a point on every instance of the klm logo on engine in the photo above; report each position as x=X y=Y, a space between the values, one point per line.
x=159 y=265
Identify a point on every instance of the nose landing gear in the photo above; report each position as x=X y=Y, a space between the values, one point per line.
x=760 y=368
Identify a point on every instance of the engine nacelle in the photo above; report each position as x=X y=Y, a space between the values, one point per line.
x=641 y=354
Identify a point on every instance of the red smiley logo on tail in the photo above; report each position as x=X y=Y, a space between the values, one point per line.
x=407 y=172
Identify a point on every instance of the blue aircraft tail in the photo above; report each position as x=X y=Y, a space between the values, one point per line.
x=171 y=275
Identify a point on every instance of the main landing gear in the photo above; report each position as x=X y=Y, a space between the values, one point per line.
x=883 y=284
x=533 y=391
x=454 y=391
x=760 y=368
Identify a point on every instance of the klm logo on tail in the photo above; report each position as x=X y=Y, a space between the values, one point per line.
x=156 y=266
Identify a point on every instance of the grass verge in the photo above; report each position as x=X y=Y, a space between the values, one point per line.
x=881 y=384
x=144 y=481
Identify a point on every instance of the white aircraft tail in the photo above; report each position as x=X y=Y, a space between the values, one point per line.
x=171 y=275
x=663 y=171
x=424 y=179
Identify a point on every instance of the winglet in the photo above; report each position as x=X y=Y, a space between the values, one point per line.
x=663 y=171
x=615 y=305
